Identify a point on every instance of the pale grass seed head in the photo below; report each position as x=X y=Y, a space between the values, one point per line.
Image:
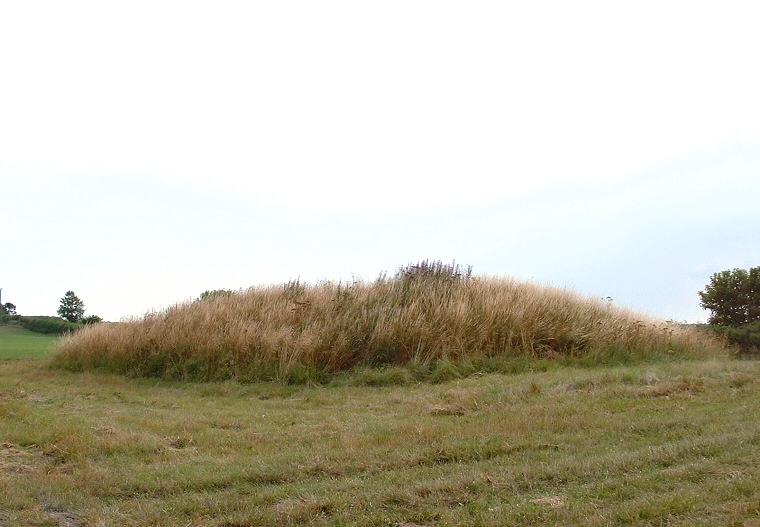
x=311 y=331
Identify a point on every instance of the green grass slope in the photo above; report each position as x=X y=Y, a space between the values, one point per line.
x=19 y=343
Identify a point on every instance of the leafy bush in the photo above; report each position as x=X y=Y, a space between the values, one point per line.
x=215 y=293
x=435 y=270
x=733 y=297
x=48 y=325
x=746 y=337
x=9 y=319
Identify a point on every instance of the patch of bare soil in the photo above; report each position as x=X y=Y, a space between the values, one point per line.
x=16 y=460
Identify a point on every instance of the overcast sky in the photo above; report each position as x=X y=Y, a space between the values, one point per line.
x=150 y=151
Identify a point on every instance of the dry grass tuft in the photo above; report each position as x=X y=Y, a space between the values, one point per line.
x=15 y=460
x=551 y=501
x=424 y=316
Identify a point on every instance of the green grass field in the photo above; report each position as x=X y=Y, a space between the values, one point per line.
x=18 y=343
x=661 y=443
x=431 y=398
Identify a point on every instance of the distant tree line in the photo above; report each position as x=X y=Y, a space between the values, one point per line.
x=71 y=317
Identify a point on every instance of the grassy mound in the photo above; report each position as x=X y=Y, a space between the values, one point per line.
x=426 y=314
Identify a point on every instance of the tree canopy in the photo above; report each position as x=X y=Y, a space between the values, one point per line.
x=733 y=297
x=71 y=308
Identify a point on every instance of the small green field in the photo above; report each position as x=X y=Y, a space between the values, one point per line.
x=661 y=443
x=19 y=343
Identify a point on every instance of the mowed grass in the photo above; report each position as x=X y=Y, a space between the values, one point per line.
x=19 y=343
x=661 y=443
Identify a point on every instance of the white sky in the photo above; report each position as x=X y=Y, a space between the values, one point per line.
x=153 y=150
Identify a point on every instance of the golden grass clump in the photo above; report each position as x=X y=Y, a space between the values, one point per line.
x=425 y=314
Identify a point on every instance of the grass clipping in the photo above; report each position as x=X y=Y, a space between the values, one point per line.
x=424 y=315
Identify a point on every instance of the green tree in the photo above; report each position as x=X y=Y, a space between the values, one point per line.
x=733 y=297
x=71 y=308
x=8 y=309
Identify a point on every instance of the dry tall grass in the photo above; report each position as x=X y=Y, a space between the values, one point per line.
x=422 y=315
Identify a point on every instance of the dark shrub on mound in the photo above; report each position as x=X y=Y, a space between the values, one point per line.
x=746 y=338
